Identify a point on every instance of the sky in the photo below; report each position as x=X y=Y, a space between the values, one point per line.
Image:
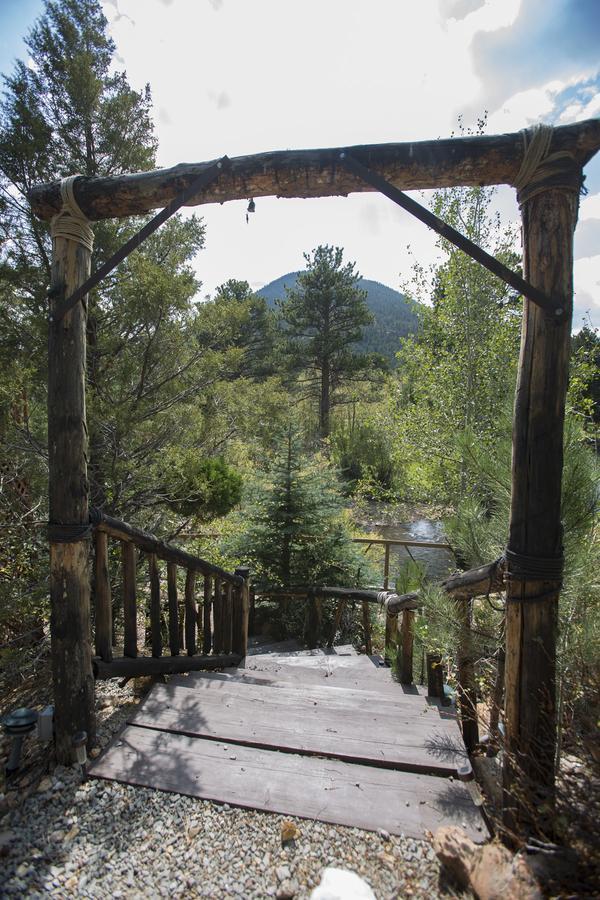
x=242 y=76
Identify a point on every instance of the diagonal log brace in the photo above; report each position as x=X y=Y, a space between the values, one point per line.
x=450 y=234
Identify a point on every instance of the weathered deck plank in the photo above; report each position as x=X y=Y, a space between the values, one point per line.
x=309 y=787
x=345 y=726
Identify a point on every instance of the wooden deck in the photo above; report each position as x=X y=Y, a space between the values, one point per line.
x=324 y=736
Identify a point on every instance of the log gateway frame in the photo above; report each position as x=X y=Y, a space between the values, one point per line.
x=546 y=167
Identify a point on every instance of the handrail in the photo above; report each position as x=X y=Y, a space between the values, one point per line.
x=123 y=531
x=432 y=545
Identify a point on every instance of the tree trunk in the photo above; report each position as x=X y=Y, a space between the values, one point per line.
x=70 y=627
x=535 y=524
x=325 y=400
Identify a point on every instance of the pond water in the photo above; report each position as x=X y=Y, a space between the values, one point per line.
x=388 y=522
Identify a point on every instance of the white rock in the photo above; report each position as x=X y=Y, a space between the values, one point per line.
x=340 y=884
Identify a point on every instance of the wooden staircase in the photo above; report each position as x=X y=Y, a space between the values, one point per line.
x=321 y=734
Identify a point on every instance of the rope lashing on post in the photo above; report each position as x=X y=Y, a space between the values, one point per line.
x=540 y=170
x=70 y=222
x=523 y=568
x=61 y=533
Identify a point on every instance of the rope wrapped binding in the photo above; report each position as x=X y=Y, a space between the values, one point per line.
x=70 y=222
x=65 y=533
x=541 y=170
x=523 y=568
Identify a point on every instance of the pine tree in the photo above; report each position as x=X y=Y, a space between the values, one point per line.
x=297 y=533
x=324 y=315
x=66 y=112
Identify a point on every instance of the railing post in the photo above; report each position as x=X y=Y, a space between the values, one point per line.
x=173 y=608
x=242 y=613
x=313 y=626
x=103 y=600
x=435 y=676
x=190 y=613
x=218 y=618
x=129 y=600
x=367 y=627
x=207 y=641
x=406 y=643
x=155 y=611
x=467 y=694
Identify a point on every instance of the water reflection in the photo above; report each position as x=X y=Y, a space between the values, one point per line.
x=379 y=519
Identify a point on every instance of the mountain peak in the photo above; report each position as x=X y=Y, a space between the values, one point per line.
x=394 y=314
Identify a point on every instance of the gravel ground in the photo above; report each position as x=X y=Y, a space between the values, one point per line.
x=65 y=837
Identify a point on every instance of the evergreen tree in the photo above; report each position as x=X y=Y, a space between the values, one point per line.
x=324 y=314
x=297 y=533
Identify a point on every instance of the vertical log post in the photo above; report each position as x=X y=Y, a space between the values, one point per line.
x=367 y=627
x=218 y=617
x=103 y=600
x=129 y=600
x=313 y=620
x=242 y=613
x=391 y=622
x=174 y=645
x=435 y=676
x=227 y=617
x=190 y=612
x=68 y=490
x=535 y=537
x=497 y=698
x=155 y=611
x=467 y=694
x=406 y=643
x=207 y=629
x=336 y=621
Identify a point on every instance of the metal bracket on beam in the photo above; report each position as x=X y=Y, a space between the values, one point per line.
x=209 y=175
x=450 y=234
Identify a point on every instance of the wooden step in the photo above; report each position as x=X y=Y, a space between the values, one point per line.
x=287 y=783
x=345 y=725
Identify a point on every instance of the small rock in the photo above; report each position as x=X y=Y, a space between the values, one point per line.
x=44 y=785
x=383 y=834
x=95 y=752
x=282 y=872
x=289 y=831
x=287 y=890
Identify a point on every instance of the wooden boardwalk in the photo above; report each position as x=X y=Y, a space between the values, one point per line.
x=324 y=736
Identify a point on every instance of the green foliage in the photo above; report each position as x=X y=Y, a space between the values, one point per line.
x=456 y=373
x=323 y=316
x=584 y=383
x=296 y=531
x=394 y=315
x=203 y=488
x=360 y=447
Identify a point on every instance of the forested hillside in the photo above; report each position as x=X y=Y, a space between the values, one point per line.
x=395 y=315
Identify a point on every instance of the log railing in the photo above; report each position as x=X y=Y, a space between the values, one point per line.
x=213 y=632
x=462 y=588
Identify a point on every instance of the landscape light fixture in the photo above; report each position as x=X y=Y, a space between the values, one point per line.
x=17 y=724
x=79 y=745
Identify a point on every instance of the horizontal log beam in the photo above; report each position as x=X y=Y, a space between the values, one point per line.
x=469 y=161
x=488 y=579
x=431 y=545
x=123 y=531
x=166 y=665
x=391 y=602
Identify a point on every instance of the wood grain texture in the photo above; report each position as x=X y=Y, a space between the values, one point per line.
x=535 y=517
x=174 y=645
x=344 y=726
x=155 y=607
x=129 y=600
x=206 y=616
x=70 y=625
x=309 y=787
x=103 y=601
x=167 y=665
x=480 y=160
x=191 y=613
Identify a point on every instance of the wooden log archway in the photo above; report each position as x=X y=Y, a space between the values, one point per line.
x=549 y=217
